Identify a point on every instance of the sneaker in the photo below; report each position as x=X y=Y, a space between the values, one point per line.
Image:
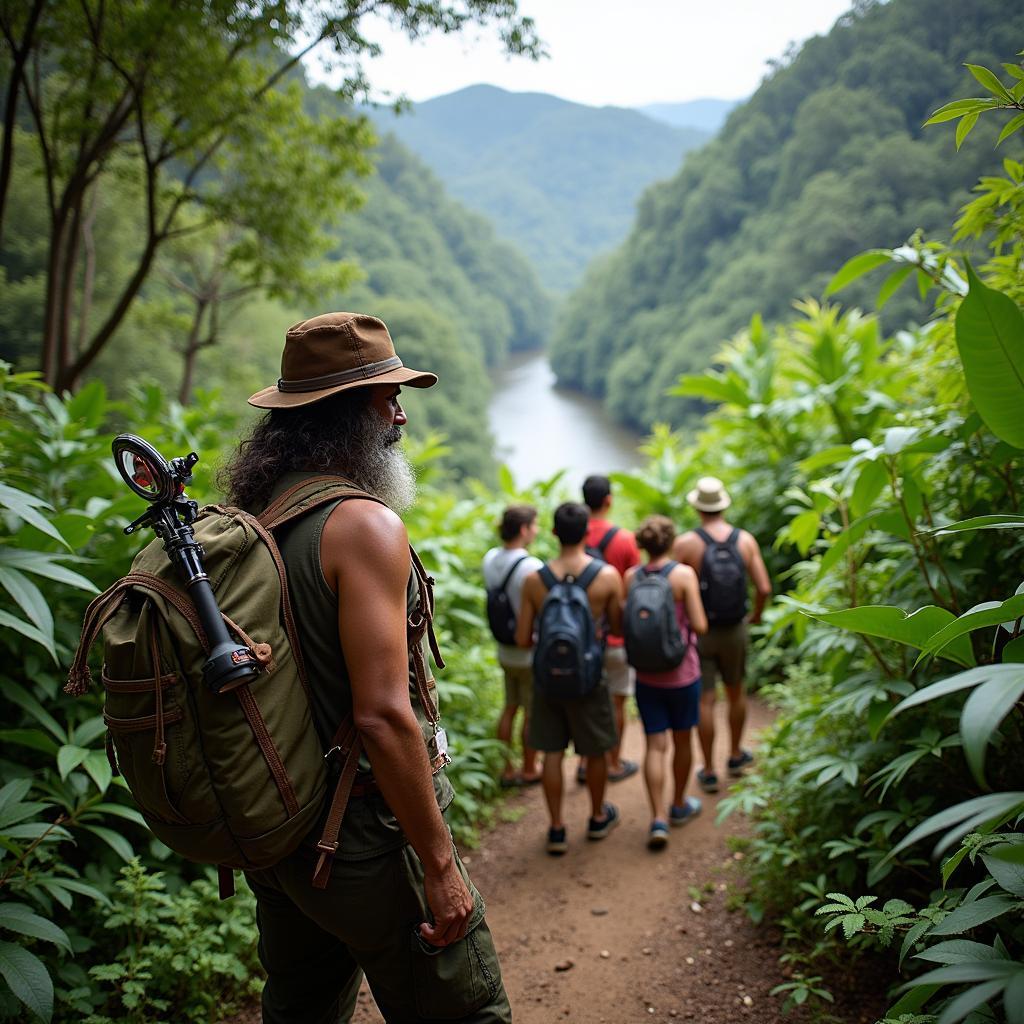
x=581 y=774
x=624 y=771
x=657 y=838
x=681 y=814
x=557 y=843
x=708 y=781
x=737 y=764
x=599 y=829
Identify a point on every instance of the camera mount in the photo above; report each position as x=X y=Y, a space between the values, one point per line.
x=171 y=514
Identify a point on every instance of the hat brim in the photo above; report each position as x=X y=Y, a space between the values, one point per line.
x=708 y=506
x=272 y=398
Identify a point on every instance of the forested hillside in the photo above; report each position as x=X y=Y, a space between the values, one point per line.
x=559 y=179
x=457 y=298
x=826 y=159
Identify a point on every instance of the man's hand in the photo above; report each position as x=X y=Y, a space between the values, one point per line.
x=451 y=904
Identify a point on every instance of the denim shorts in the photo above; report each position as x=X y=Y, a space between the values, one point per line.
x=663 y=707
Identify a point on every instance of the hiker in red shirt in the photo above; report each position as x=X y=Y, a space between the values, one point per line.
x=618 y=548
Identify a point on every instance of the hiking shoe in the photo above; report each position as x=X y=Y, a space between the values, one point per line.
x=657 y=838
x=557 y=843
x=687 y=811
x=581 y=774
x=599 y=829
x=625 y=769
x=737 y=764
x=708 y=781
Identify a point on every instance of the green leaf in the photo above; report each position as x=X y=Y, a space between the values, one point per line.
x=989 y=613
x=1012 y=853
x=958 y=108
x=994 y=522
x=892 y=284
x=1013 y=652
x=985 y=709
x=964 y=128
x=16 y=917
x=957 y=1009
x=114 y=840
x=97 y=764
x=989 y=80
x=69 y=757
x=892 y=623
x=82 y=888
x=992 y=805
x=1013 y=1000
x=990 y=339
x=856 y=267
x=29 y=599
x=25 y=507
x=28 y=979
x=26 y=629
x=1013 y=125
x=120 y=811
x=1009 y=876
x=957 y=951
x=32 y=738
x=870 y=484
x=971 y=915
x=48 y=566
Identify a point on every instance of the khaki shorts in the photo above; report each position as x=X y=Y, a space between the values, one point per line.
x=518 y=686
x=617 y=674
x=588 y=722
x=723 y=652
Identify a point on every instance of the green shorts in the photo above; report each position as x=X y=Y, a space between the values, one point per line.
x=589 y=722
x=518 y=686
x=316 y=944
x=723 y=652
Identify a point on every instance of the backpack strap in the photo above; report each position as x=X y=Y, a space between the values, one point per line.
x=602 y=544
x=706 y=537
x=733 y=540
x=515 y=565
x=547 y=577
x=589 y=574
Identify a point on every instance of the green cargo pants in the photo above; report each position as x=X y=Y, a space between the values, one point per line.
x=315 y=945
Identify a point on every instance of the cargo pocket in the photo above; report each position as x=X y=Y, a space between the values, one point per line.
x=150 y=750
x=450 y=982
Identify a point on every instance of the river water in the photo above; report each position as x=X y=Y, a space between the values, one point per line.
x=541 y=429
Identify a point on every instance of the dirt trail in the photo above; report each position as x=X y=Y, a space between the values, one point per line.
x=622 y=915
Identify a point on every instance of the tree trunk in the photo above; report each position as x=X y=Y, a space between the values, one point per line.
x=19 y=59
x=89 y=271
x=192 y=348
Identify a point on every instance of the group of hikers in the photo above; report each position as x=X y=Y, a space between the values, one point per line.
x=320 y=771
x=580 y=635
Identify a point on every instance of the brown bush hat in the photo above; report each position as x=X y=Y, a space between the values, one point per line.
x=335 y=352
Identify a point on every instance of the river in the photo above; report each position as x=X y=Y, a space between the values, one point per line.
x=540 y=428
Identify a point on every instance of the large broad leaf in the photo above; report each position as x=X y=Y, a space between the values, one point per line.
x=990 y=338
x=16 y=917
x=26 y=506
x=985 y=709
x=971 y=915
x=995 y=522
x=960 y=817
x=26 y=629
x=989 y=613
x=1010 y=876
x=890 y=623
x=28 y=979
x=961 y=681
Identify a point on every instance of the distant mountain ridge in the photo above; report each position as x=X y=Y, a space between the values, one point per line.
x=706 y=115
x=558 y=179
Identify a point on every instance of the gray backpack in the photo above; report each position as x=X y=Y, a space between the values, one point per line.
x=654 y=641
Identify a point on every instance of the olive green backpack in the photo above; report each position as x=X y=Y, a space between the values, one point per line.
x=235 y=778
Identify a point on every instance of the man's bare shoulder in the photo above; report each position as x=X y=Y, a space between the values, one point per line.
x=364 y=531
x=688 y=543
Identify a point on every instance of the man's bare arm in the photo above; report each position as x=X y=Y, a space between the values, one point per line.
x=365 y=556
x=527 y=610
x=613 y=595
x=758 y=575
x=692 y=601
x=685 y=549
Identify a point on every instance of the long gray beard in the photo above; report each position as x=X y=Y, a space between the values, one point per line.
x=377 y=462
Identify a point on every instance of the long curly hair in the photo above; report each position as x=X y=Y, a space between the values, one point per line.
x=341 y=434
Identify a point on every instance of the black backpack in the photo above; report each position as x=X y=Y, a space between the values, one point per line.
x=598 y=550
x=654 y=641
x=723 y=579
x=500 y=614
x=567 y=659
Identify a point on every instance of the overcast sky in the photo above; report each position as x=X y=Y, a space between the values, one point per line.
x=604 y=52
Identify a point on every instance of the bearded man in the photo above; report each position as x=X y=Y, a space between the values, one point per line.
x=398 y=905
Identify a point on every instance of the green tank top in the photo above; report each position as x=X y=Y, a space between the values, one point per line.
x=369 y=828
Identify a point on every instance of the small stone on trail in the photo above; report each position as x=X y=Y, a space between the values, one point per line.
x=646 y=951
x=690 y=960
x=650 y=1009
x=737 y=855
x=681 y=928
x=605 y=954
x=564 y=965
x=599 y=911
x=672 y=1013
x=747 y=1001
x=696 y=907
x=728 y=942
